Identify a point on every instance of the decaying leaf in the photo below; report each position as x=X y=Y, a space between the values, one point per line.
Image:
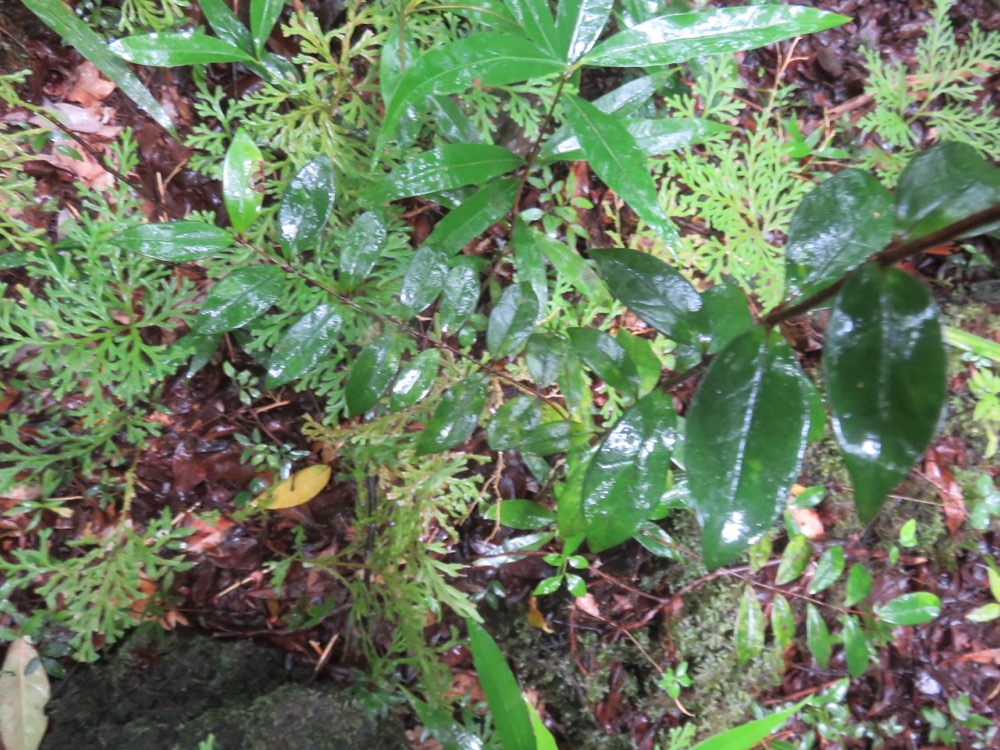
x=298 y=489
x=24 y=691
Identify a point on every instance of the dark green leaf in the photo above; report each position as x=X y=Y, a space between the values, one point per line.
x=523 y=515
x=511 y=321
x=455 y=417
x=944 y=185
x=746 y=431
x=535 y=17
x=530 y=261
x=855 y=646
x=747 y=736
x=460 y=296
x=818 y=636
x=240 y=191
x=443 y=726
x=782 y=621
x=242 y=296
x=444 y=168
x=653 y=137
x=835 y=229
x=569 y=500
x=545 y=355
x=512 y=420
x=628 y=473
x=415 y=380
x=652 y=290
x=372 y=373
x=910 y=609
x=424 y=278
x=749 y=627
x=724 y=315
x=226 y=25
x=884 y=364
x=683 y=36
x=559 y=436
x=510 y=712
x=452 y=123
x=307 y=205
x=859 y=585
x=794 y=560
x=263 y=16
x=303 y=345
x=478 y=212
x=607 y=358
x=578 y=25
x=828 y=569
x=657 y=541
x=361 y=248
x=175 y=241
x=640 y=353
x=170 y=49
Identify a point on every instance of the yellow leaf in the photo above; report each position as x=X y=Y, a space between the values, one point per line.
x=298 y=489
x=535 y=618
x=24 y=691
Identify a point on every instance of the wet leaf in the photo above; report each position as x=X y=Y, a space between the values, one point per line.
x=910 y=609
x=263 y=16
x=24 y=691
x=828 y=569
x=628 y=473
x=606 y=357
x=512 y=420
x=855 y=646
x=226 y=25
x=372 y=373
x=530 y=261
x=655 y=540
x=884 y=364
x=782 y=621
x=424 y=278
x=553 y=437
x=747 y=736
x=640 y=353
x=510 y=712
x=481 y=210
x=239 y=298
x=578 y=25
x=818 y=637
x=239 y=184
x=794 y=560
x=175 y=241
x=445 y=168
x=512 y=321
x=459 y=297
x=546 y=354
x=361 y=248
x=307 y=205
x=171 y=49
x=749 y=627
x=523 y=515
x=303 y=345
x=859 y=585
x=569 y=501
x=415 y=380
x=298 y=489
x=535 y=17
x=724 y=315
x=455 y=417
x=746 y=434
x=653 y=137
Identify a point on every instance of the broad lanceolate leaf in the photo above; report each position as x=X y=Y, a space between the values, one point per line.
x=460 y=296
x=415 y=380
x=859 y=585
x=510 y=712
x=361 y=248
x=307 y=205
x=298 y=489
x=546 y=355
x=242 y=296
x=444 y=168
x=478 y=212
x=239 y=189
x=175 y=241
x=512 y=420
x=226 y=25
x=628 y=473
x=828 y=569
x=24 y=691
x=684 y=36
x=747 y=736
x=855 y=646
x=794 y=559
x=455 y=417
x=263 y=16
x=578 y=25
x=170 y=49
x=304 y=345
x=511 y=321
x=652 y=290
x=910 y=609
x=818 y=637
x=782 y=621
x=535 y=17
x=943 y=185
x=424 y=278
x=884 y=364
x=617 y=160
x=372 y=373
x=746 y=431
x=835 y=229
x=653 y=137
x=749 y=627
x=607 y=358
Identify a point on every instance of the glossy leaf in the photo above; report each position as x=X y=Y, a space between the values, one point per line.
x=835 y=229
x=656 y=541
x=460 y=296
x=171 y=49
x=239 y=181
x=298 y=489
x=62 y=19
x=361 y=248
x=530 y=262
x=606 y=357
x=523 y=515
x=749 y=627
x=746 y=434
x=455 y=417
x=549 y=438
x=415 y=380
x=424 y=278
x=372 y=373
x=478 y=212
x=579 y=23
x=512 y=420
x=652 y=137
x=175 y=241
x=628 y=472
x=543 y=737
x=640 y=353
x=444 y=168
x=828 y=569
x=512 y=321
x=818 y=637
x=859 y=585
x=782 y=621
x=304 y=345
x=535 y=17
x=884 y=364
x=794 y=560
x=307 y=205
x=724 y=315
x=652 y=290
x=986 y=613
x=943 y=185
x=226 y=25
x=910 y=609
x=24 y=692
x=264 y=15
x=855 y=646
x=510 y=713
x=683 y=36
x=747 y=736
x=237 y=299
x=545 y=355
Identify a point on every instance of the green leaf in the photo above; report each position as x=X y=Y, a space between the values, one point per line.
x=512 y=321
x=855 y=646
x=746 y=434
x=818 y=636
x=794 y=559
x=445 y=168
x=859 y=585
x=478 y=212
x=553 y=437
x=640 y=353
x=512 y=420
x=535 y=17
x=569 y=501
x=828 y=569
x=985 y=613
x=175 y=241
x=455 y=417
x=226 y=25
x=653 y=137
x=835 y=229
x=655 y=540
x=543 y=737
x=579 y=23
x=361 y=247
x=683 y=36
x=264 y=15
x=424 y=278
x=460 y=296
x=372 y=373
x=170 y=49
x=652 y=290
x=606 y=357
x=523 y=515
x=59 y=17
x=307 y=205
x=884 y=364
x=546 y=355
x=415 y=380
x=628 y=472
x=943 y=185
x=510 y=712
x=304 y=345
x=239 y=189
x=910 y=609
x=749 y=627
x=994 y=579
x=747 y=736
x=724 y=315
x=242 y=296
x=782 y=621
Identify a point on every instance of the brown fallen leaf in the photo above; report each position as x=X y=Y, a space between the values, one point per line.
x=809 y=523
x=90 y=88
x=952 y=499
x=987 y=656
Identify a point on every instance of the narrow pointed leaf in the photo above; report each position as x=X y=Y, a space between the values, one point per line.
x=455 y=418
x=171 y=49
x=307 y=205
x=818 y=637
x=240 y=191
x=451 y=166
x=746 y=436
x=628 y=473
x=415 y=380
x=910 y=609
x=226 y=25
x=749 y=627
x=510 y=713
x=372 y=374
x=175 y=241
x=794 y=560
x=782 y=621
x=511 y=321
x=652 y=137
x=24 y=692
x=535 y=17
x=855 y=646
x=530 y=261
x=264 y=15
x=657 y=541
x=459 y=297
x=683 y=36
x=361 y=247
x=884 y=364
x=747 y=736
x=481 y=210
x=298 y=489
x=828 y=569
x=304 y=345
x=579 y=23
x=606 y=357
x=859 y=585
x=239 y=298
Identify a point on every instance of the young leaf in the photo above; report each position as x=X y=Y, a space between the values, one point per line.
x=523 y=515
x=747 y=736
x=415 y=380
x=372 y=373
x=859 y=585
x=478 y=212
x=749 y=627
x=175 y=241
x=607 y=358
x=24 y=691
x=424 y=278
x=782 y=621
x=298 y=489
x=242 y=296
x=835 y=229
x=818 y=637
x=683 y=36
x=617 y=160
x=444 y=168
x=239 y=189
x=511 y=321
x=226 y=25
x=794 y=559
x=304 y=345
x=855 y=646
x=578 y=25
x=986 y=613
x=746 y=434
x=171 y=49
x=263 y=16
x=884 y=364
x=910 y=609
x=455 y=417
x=828 y=569
x=510 y=712
x=361 y=248
x=307 y=205
x=628 y=473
